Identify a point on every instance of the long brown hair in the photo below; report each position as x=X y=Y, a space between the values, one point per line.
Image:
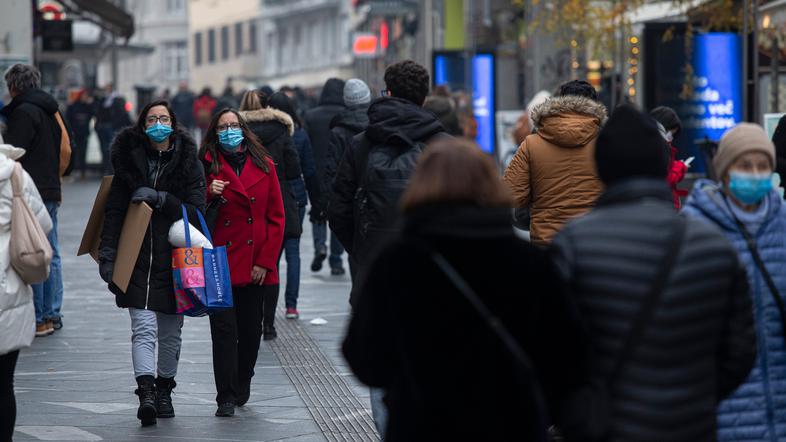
x=259 y=155
x=455 y=171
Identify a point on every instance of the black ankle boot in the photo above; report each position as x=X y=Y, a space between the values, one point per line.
x=164 y=388
x=147 y=400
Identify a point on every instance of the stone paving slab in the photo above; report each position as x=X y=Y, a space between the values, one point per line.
x=77 y=385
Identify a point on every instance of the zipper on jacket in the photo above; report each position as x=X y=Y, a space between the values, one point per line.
x=150 y=265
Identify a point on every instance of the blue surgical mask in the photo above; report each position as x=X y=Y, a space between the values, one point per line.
x=158 y=132
x=750 y=188
x=230 y=139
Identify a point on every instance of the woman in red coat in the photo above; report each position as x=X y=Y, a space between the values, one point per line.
x=250 y=223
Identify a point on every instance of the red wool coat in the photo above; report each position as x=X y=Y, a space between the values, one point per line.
x=251 y=221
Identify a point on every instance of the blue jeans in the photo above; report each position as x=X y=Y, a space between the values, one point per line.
x=379 y=411
x=48 y=296
x=292 y=249
x=320 y=239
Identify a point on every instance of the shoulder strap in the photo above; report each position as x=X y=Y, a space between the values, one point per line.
x=647 y=310
x=361 y=155
x=16 y=180
x=776 y=296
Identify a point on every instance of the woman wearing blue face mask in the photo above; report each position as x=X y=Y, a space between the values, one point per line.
x=243 y=184
x=753 y=216
x=155 y=163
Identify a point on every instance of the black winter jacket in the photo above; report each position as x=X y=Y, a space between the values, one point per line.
x=136 y=165
x=318 y=119
x=449 y=377
x=33 y=127
x=343 y=129
x=395 y=127
x=274 y=129
x=699 y=346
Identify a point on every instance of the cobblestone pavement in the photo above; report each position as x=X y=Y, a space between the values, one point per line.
x=77 y=384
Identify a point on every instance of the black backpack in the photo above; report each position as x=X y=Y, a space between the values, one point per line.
x=384 y=175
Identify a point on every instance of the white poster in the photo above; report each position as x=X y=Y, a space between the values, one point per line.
x=506 y=145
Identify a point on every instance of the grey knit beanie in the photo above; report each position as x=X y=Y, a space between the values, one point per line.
x=356 y=92
x=741 y=139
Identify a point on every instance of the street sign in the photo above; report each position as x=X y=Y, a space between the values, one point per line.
x=57 y=35
x=365 y=45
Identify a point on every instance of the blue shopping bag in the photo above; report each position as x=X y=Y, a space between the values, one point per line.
x=200 y=276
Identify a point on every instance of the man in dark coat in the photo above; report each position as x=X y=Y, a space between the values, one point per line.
x=699 y=344
x=111 y=116
x=183 y=105
x=318 y=119
x=32 y=126
x=79 y=114
x=350 y=122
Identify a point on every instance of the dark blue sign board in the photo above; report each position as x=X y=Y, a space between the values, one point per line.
x=450 y=69
x=716 y=102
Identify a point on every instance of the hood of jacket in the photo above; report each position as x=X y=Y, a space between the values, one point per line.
x=269 y=124
x=569 y=121
x=708 y=198
x=130 y=157
x=270 y=115
x=354 y=118
x=8 y=157
x=399 y=122
x=35 y=97
x=332 y=92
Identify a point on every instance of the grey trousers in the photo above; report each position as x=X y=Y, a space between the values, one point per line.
x=147 y=328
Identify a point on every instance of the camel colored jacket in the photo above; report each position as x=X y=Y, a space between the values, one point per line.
x=553 y=172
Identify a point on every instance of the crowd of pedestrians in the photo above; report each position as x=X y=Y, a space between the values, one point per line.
x=636 y=312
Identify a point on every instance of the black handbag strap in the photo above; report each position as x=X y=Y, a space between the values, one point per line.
x=762 y=269
x=647 y=310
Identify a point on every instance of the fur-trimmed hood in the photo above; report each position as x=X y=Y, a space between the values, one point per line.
x=569 y=121
x=130 y=150
x=269 y=114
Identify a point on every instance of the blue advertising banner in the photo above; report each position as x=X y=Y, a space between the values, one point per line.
x=450 y=70
x=716 y=104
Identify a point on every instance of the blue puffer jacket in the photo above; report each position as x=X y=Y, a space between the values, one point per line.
x=757 y=410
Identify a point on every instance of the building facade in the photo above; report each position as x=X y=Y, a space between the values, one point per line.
x=156 y=57
x=225 y=44
x=305 y=42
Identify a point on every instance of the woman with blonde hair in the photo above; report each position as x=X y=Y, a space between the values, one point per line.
x=436 y=324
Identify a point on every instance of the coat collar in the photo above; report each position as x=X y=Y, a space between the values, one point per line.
x=635 y=189
x=269 y=114
x=460 y=221
x=130 y=153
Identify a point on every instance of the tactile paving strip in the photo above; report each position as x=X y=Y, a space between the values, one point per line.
x=334 y=406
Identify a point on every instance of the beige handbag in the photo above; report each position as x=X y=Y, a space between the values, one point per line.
x=30 y=250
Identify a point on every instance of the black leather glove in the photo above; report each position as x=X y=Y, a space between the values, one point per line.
x=106 y=270
x=152 y=197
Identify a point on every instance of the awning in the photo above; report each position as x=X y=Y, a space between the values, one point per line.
x=103 y=13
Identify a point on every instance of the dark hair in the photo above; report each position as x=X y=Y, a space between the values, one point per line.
x=206 y=91
x=259 y=155
x=282 y=102
x=434 y=180
x=22 y=77
x=445 y=110
x=578 y=87
x=141 y=119
x=667 y=118
x=408 y=80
